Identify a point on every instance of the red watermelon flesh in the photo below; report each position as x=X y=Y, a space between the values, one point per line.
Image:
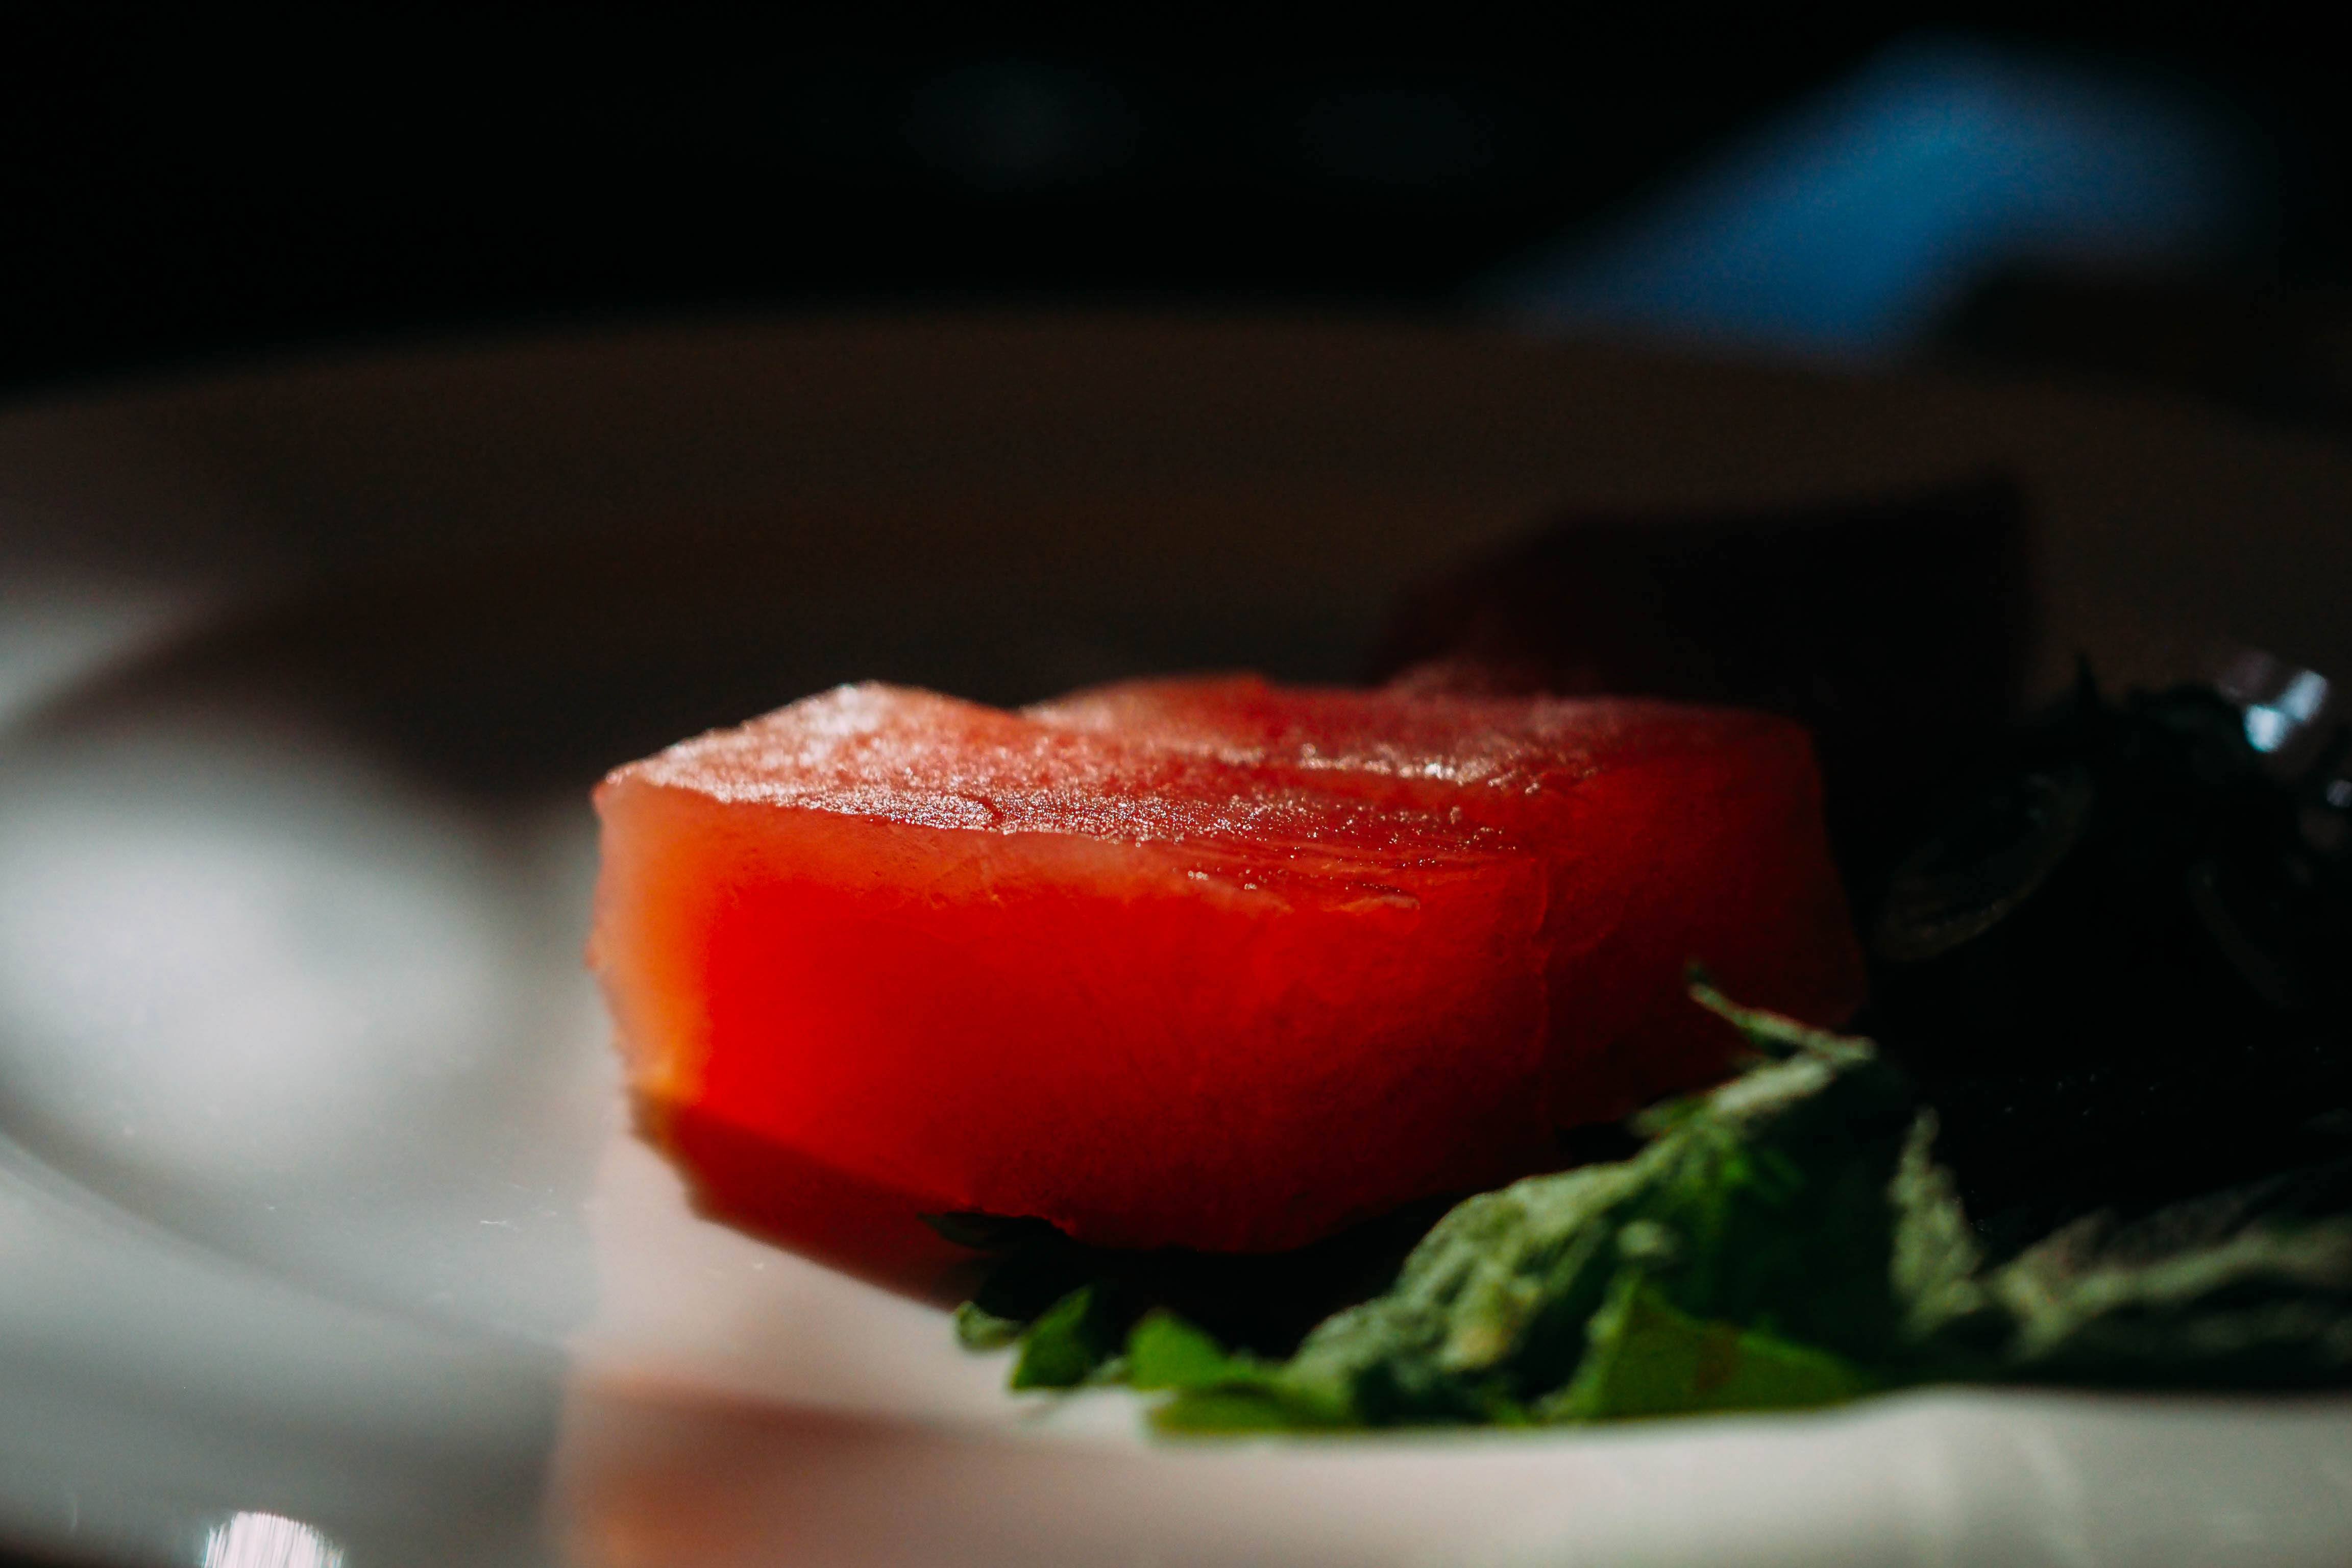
x=1668 y=832
x=1205 y=963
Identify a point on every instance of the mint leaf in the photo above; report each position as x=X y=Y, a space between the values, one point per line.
x=2269 y=1305
x=977 y=1329
x=1766 y=1203
x=1078 y=1337
x=1494 y=1297
x=2239 y=1288
x=1164 y=1351
x=1647 y=1357
x=1787 y=1240
x=1775 y=1035
x=1218 y=1391
x=1948 y=1322
x=1224 y=1412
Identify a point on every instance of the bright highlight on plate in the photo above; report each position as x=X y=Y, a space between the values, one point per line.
x=268 y=1541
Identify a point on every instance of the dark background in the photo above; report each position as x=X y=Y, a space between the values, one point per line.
x=181 y=188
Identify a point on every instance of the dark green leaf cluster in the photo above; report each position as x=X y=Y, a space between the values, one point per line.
x=1787 y=1240
x=1755 y=1221
x=2247 y=1287
x=1262 y=1305
x=2119 y=962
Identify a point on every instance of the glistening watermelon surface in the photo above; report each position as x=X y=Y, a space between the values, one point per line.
x=1209 y=963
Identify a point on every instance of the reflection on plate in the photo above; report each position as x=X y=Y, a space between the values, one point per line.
x=316 y=1208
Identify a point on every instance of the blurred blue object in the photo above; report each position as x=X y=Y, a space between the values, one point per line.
x=1846 y=229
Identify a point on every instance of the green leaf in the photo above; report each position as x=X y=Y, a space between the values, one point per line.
x=2238 y=1287
x=1024 y=1282
x=977 y=1329
x=1164 y=1351
x=1217 y=1391
x=1764 y=1204
x=1764 y=1208
x=1777 y=1035
x=1650 y=1358
x=1224 y=1412
x=1497 y=1287
x=1077 y=1336
x=1947 y=1320
x=2271 y=1304
x=1787 y=1240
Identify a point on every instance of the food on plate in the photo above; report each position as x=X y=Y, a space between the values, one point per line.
x=1313 y=1058
x=2102 y=1139
x=1210 y=964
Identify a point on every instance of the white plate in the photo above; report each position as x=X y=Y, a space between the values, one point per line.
x=320 y=1235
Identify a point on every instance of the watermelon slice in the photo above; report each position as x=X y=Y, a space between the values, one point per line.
x=1210 y=963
